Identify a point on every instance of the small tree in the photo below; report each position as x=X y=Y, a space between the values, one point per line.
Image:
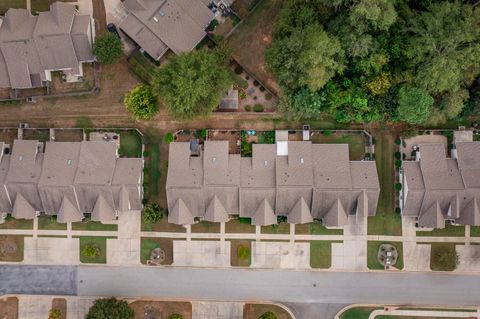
x=91 y=250
x=141 y=102
x=54 y=314
x=243 y=252
x=107 y=48
x=110 y=308
x=152 y=213
x=268 y=315
x=175 y=316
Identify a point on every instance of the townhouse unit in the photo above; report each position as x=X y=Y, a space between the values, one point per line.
x=436 y=188
x=297 y=179
x=31 y=47
x=68 y=179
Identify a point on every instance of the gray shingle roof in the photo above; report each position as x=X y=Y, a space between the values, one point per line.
x=160 y=24
x=296 y=185
x=33 y=45
x=449 y=185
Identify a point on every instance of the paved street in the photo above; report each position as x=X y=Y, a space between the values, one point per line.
x=239 y=284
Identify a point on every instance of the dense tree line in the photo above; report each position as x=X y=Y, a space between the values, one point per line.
x=366 y=60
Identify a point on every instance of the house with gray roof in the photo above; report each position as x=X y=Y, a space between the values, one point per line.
x=161 y=25
x=437 y=189
x=68 y=179
x=310 y=181
x=31 y=47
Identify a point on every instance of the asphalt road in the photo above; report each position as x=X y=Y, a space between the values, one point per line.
x=306 y=293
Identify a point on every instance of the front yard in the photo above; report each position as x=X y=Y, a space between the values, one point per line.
x=372 y=252
x=7 y=4
x=50 y=223
x=443 y=257
x=240 y=252
x=162 y=226
x=9 y=308
x=12 y=223
x=11 y=247
x=316 y=229
x=280 y=228
x=449 y=231
x=148 y=244
x=239 y=225
x=88 y=224
x=206 y=227
x=321 y=254
x=93 y=250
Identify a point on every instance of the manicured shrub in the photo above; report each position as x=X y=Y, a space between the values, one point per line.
x=110 y=308
x=243 y=252
x=258 y=108
x=398 y=210
x=398 y=141
x=248 y=108
x=398 y=155
x=398 y=163
x=91 y=250
x=398 y=186
x=168 y=138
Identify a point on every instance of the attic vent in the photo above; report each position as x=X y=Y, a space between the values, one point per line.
x=302 y=161
x=20 y=157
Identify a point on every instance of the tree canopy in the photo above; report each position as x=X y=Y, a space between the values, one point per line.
x=107 y=48
x=193 y=83
x=110 y=308
x=350 y=59
x=141 y=102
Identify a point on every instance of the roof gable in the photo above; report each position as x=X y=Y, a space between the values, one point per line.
x=215 y=211
x=22 y=209
x=300 y=213
x=264 y=215
x=68 y=212
x=336 y=215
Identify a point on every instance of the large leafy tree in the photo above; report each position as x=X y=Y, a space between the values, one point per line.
x=443 y=44
x=414 y=105
x=377 y=14
x=141 y=102
x=306 y=58
x=107 y=48
x=110 y=308
x=193 y=83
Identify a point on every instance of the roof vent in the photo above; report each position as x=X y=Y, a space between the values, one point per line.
x=265 y=163
x=20 y=157
x=302 y=161
x=214 y=159
x=69 y=162
x=155 y=19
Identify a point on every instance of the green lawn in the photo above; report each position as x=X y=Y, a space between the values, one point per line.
x=386 y=221
x=152 y=161
x=443 y=257
x=149 y=244
x=88 y=224
x=130 y=144
x=206 y=227
x=241 y=225
x=6 y=4
x=101 y=243
x=321 y=254
x=281 y=228
x=316 y=229
x=50 y=223
x=357 y=313
x=475 y=231
x=449 y=231
x=355 y=141
x=372 y=251
x=12 y=223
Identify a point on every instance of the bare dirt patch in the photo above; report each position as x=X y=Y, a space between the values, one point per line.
x=11 y=248
x=233 y=138
x=161 y=309
x=69 y=135
x=253 y=311
x=9 y=308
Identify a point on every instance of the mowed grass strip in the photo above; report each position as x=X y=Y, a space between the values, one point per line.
x=321 y=253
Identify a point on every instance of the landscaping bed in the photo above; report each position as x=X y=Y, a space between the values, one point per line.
x=372 y=252
x=254 y=311
x=240 y=225
x=161 y=309
x=88 y=224
x=355 y=141
x=60 y=304
x=240 y=252
x=9 y=308
x=50 y=223
x=206 y=227
x=449 y=231
x=321 y=254
x=42 y=135
x=315 y=229
x=99 y=244
x=250 y=40
x=163 y=226
x=149 y=243
x=11 y=248
x=280 y=228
